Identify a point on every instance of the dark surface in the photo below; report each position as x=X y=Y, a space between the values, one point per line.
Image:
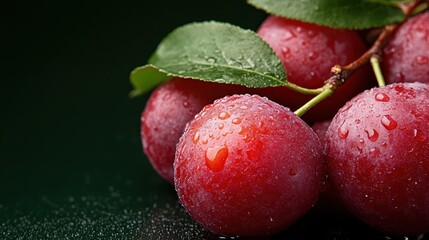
x=71 y=164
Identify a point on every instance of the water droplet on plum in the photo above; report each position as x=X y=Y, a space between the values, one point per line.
x=388 y=122
x=196 y=138
x=419 y=136
x=224 y=115
x=382 y=97
x=236 y=120
x=372 y=134
x=285 y=52
x=216 y=157
x=343 y=132
x=422 y=60
x=312 y=56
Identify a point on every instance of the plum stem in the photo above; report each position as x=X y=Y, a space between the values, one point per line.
x=341 y=73
x=308 y=91
x=314 y=101
x=375 y=63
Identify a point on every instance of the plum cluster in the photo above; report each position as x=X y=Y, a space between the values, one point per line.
x=244 y=164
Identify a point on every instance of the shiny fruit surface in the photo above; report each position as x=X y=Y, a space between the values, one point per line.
x=248 y=166
x=377 y=155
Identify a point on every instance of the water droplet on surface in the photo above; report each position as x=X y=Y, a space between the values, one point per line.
x=361 y=144
x=243 y=107
x=236 y=120
x=185 y=104
x=211 y=60
x=343 y=132
x=292 y=172
x=422 y=60
x=312 y=56
x=371 y=134
x=311 y=33
x=388 y=122
x=242 y=130
x=220 y=126
x=374 y=152
x=224 y=115
x=382 y=97
x=299 y=29
x=286 y=52
x=205 y=141
x=287 y=35
x=196 y=138
x=216 y=157
x=419 y=136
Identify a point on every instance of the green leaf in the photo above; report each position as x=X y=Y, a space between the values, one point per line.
x=212 y=51
x=145 y=78
x=351 y=14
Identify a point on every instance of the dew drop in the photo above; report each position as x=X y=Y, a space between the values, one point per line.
x=220 y=126
x=343 y=132
x=299 y=29
x=399 y=88
x=388 y=122
x=287 y=35
x=243 y=107
x=361 y=144
x=205 y=141
x=311 y=33
x=196 y=138
x=374 y=152
x=371 y=134
x=224 y=115
x=236 y=120
x=292 y=172
x=419 y=136
x=312 y=56
x=382 y=97
x=285 y=52
x=242 y=130
x=186 y=104
x=422 y=60
x=211 y=60
x=216 y=157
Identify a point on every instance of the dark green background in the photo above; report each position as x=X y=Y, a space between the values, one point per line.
x=71 y=163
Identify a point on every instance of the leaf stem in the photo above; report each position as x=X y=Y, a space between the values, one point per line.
x=375 y=63
x=314 y=101
x=303 y=90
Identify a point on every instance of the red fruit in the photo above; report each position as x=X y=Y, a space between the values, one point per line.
x=329 y=202
x=169 y=108
x=377 y=154
x=406 y=56
x=248 y=166
x=320 y=129
x=308 y=53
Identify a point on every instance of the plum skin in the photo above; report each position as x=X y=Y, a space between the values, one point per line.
x=406 y=56
x=377 y=157
x=169 y=107
x=247 y=166
x=308 y=52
